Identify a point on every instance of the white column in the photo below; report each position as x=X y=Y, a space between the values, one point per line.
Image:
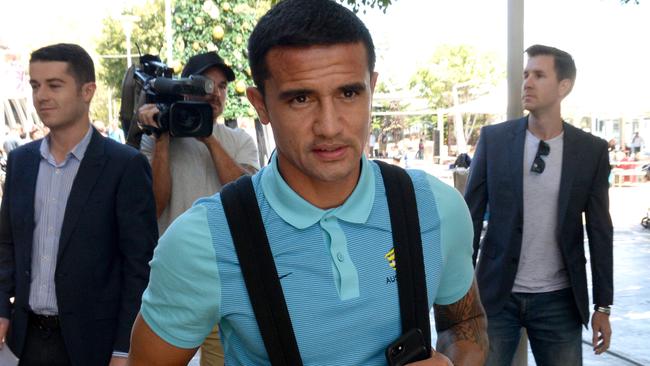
x=515 y=107
x=441 y=134
x=515 y=57
x=128 y=21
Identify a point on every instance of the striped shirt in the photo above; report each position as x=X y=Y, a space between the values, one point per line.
x=336 y=268
x=53 y=187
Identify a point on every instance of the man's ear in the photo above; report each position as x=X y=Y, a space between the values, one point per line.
x=88 y=91
x=566 y=86
x=257 y=100
x=373 y=81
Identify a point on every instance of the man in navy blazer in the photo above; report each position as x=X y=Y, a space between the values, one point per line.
x=535 y=177
x=77 y=227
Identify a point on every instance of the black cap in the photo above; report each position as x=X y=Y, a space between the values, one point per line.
x=203 y=61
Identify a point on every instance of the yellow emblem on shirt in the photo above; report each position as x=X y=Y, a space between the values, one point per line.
x=390 y=257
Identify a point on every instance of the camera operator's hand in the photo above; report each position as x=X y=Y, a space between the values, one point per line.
x=207 y=140
x=147 y=116
x=156 y=148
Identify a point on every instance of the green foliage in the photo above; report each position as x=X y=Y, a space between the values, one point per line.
x=99 y=106
x=358 y=4
x=455 y=65
x=392 y=125
x=361 y=4
x=223 y=26
x=148 y=34
x=198 y=26
x=471 y=72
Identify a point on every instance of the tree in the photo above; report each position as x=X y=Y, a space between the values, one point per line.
x=360 y=4
x=99 y=107
x=388 y=125
x=456 y=75
x=224 y=27
x=147 y=37
x=198 y=26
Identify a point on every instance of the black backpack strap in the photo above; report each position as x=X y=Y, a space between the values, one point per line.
x=258 y=268
x=409 y=261
x=261 y=277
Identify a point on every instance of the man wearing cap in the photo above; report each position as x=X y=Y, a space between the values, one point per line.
x=185 y=169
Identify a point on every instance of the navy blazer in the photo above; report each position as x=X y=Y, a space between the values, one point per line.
x=107 y=239
x=496 y=180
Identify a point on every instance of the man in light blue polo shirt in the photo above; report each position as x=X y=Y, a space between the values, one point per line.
x=326 y=216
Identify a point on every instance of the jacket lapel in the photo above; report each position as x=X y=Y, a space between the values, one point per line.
x=89 y=171
x=24 y=187
x=571 y=158
x=516 y=160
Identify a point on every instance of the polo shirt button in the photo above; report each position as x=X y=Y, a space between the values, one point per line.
x=339 y=256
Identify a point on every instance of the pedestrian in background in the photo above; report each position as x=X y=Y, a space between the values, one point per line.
x=187 y=168
x=77 y=227
x=537 y=176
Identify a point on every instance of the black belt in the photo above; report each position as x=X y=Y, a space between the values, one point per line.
x=45 y=322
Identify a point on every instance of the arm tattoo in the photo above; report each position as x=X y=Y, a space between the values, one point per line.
x=463 y=320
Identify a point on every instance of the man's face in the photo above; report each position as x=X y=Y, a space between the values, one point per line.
x=59 y=101
x=318 y=101
x=541 y=88
x=217 y=99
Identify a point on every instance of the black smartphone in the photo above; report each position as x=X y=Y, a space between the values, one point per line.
x=409 y=347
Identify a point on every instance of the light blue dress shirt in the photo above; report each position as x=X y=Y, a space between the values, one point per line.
x=53 y=187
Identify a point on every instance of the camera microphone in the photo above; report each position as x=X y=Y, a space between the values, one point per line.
x=194 y=85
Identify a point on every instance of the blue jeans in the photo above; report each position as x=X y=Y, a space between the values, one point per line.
x=553 y=325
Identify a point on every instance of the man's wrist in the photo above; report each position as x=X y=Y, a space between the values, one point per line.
x=161 y=136
x=162 y=142
x=605 y=309
x=211 y=143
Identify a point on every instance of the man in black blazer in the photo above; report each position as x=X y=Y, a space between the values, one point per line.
x=77 y=227
x=534 y=178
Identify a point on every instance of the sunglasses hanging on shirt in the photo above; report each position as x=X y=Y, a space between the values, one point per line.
x=538 y=164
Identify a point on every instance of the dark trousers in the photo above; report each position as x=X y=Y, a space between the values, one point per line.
x=44 y=343
x=553 y=325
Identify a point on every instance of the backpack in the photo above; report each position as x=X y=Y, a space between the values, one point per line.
x=133 y=97
x=261 y=277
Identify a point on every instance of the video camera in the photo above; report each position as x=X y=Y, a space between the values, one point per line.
x=180 y=117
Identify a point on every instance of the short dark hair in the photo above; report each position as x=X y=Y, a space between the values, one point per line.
x=80 y=65
x=565 y=67
x=303 y=23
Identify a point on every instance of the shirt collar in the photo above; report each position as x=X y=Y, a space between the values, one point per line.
x=301 y=214
x=78 y=151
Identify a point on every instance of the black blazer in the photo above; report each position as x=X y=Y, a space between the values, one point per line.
x=496 y=180
x=107 y=239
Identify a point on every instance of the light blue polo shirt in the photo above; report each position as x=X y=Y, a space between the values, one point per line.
x=336 y=268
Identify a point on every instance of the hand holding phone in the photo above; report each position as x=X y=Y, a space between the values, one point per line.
x=409 y=347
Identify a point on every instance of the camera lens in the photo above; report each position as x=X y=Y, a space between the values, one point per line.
x=189 y=120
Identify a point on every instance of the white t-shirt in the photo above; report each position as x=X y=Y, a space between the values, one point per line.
x=541 y=268
x=192 y=170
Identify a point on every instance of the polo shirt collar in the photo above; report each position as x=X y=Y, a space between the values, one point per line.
x=301 y=214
